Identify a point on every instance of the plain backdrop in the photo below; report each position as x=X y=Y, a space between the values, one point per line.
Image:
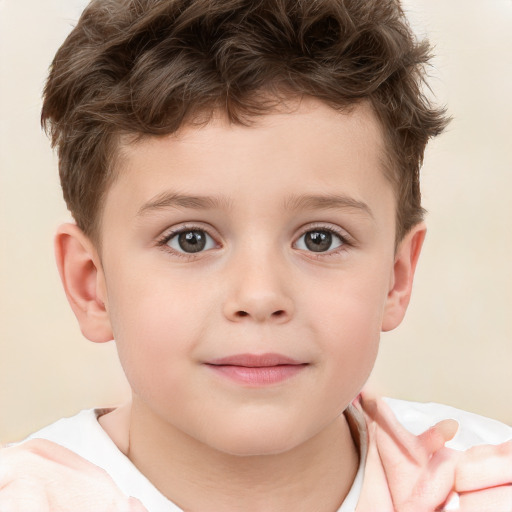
x=455 y=345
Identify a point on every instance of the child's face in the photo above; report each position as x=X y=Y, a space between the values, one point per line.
x=293 y=224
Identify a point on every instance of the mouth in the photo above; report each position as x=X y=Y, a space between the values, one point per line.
x=256 y=370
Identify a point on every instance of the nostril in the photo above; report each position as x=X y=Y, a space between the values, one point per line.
x=280 y=313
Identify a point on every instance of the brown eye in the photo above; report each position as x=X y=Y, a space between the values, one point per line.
x=319 y=240
x=191 y=241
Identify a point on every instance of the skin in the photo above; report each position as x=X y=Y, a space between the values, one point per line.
x=257 y=288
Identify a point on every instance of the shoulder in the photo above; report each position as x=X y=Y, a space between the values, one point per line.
x=80 y=433
x=83 y=435
x=473 y=428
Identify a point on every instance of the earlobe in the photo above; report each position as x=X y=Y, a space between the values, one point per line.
x=399 y=295
x=83 y=280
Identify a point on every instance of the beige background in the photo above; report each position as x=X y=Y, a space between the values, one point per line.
x=456 y=343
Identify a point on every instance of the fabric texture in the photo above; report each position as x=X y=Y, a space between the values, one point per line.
x=83 y=435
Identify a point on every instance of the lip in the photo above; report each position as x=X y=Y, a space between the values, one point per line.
x=257 y=370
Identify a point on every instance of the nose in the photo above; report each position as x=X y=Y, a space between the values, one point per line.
x=259 y=292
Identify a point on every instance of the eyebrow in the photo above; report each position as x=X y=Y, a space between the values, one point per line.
x=171 y=199
x=325 y=202
x=176 y=200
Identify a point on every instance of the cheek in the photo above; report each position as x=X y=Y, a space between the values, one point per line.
x=347 y=316
x=155 y=323
x=350 y=342
x=349 y=305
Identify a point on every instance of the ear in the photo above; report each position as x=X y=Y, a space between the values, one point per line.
x=84 y=282
x=402 y=276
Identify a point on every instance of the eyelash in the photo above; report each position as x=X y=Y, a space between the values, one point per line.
x=346 y=241
x=164 y=240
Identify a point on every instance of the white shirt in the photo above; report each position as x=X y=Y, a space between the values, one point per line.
x=84 y=435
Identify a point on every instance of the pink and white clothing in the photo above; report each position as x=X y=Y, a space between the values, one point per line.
x=370 y=420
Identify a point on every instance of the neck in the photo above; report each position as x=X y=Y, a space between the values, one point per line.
x=316 y=475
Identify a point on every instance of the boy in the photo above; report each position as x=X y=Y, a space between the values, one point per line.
x=244 y=178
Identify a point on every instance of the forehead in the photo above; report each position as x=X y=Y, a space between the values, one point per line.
x=306 y=121
x=304 y=145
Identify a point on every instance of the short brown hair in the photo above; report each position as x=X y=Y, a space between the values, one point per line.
x=147 y=67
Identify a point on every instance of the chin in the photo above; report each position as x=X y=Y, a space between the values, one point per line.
x=255 y=448
x=254 y=440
